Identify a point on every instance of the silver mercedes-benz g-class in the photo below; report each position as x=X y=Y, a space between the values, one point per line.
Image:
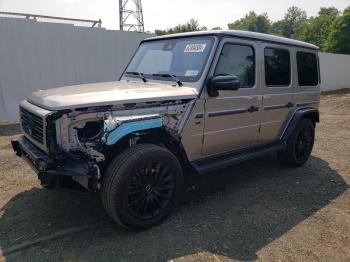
x=203 y=100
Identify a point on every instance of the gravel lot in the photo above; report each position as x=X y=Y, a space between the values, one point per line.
x=257 y=210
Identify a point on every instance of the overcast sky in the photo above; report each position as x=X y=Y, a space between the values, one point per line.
x=161 y=14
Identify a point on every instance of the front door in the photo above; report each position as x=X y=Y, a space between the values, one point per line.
x=232 y=118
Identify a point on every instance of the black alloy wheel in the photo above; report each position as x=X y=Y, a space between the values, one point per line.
x=150 y=191
x=304 y=144
x=299 y=145
x=141 y=186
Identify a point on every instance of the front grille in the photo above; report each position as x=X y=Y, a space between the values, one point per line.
x=32 y=125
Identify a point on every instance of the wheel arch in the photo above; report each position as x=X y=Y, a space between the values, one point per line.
x=308 y=113
x=160 y=136
x=313 y=115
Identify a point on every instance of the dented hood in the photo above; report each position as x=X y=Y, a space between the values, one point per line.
x=109 y=93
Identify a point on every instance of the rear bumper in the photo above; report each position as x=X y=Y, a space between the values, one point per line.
x=53 y=174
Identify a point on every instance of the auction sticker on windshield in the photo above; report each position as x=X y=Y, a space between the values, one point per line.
x=191 y=73
x=195 y=48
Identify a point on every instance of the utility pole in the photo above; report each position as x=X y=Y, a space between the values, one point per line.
x=131 y=16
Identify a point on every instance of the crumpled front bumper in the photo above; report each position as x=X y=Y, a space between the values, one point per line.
x=53 y=174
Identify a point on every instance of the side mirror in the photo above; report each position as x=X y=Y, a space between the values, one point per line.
x=226 y=82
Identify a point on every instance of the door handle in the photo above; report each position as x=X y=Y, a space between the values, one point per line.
x=289 y=105
x=253 y=109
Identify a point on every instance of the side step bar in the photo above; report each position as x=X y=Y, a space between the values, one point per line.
x=218 y=162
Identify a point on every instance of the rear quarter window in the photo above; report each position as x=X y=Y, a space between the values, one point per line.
x=277 y=67
x=307 y=69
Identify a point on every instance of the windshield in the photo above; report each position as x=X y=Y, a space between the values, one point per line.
x=184 y=58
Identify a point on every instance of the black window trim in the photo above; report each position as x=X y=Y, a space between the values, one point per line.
x=319 y=70
x=254 y=54
x=290 y=67
x=317 y=66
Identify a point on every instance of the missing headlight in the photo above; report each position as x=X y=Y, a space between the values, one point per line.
x=90 y=131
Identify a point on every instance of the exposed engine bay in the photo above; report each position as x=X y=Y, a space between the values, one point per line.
x=89 y=130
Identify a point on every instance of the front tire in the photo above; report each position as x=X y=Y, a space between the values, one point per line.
x=141 y=185
x=299 y=145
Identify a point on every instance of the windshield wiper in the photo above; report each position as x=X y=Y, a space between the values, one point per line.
x=178 y=81
x=138 y=74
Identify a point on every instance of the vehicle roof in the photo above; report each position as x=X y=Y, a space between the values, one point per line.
x=240 y=34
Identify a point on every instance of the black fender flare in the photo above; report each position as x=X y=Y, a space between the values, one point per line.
x=310 y=113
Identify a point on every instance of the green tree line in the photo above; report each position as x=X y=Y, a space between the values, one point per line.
x=330 y=29
x=190 y=26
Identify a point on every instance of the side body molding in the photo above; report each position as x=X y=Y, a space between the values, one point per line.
x=311 y=113
x=113 y=135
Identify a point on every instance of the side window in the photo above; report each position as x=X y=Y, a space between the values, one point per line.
x=277 y=67
x=237 y=60
x=307 y=69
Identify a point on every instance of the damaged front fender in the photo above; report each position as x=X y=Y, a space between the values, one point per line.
x=117 y=128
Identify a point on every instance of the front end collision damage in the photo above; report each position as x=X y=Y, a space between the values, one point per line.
x=83 y=138
x=57 y=174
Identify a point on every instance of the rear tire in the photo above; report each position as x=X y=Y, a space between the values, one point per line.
x=141 y=185
x=299 y=145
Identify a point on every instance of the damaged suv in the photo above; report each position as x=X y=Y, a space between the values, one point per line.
x=195 y=101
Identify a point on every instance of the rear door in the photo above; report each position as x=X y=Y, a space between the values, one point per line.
x=232 y=118
x=308 y=78
x=278 y=86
